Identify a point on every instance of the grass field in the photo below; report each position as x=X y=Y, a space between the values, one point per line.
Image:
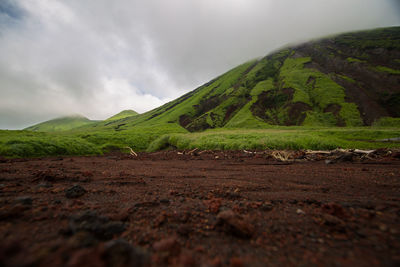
x=38 y=144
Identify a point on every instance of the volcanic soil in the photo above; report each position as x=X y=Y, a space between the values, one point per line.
x=208 y=209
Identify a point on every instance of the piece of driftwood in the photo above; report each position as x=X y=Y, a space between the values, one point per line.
x=133 y=153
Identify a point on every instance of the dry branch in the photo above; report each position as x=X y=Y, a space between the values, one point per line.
x=133 y=153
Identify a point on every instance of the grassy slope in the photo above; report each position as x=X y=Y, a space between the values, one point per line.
x=280 y=138
x=36 y=144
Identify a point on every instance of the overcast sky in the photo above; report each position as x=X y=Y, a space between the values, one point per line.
x=98 y=57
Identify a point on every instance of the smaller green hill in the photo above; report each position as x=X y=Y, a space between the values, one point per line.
x=61 y=124
x=122 y=115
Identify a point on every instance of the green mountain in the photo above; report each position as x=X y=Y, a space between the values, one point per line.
x=76 y=122
x=350 y=79
x=122 y=115
x=61 y=124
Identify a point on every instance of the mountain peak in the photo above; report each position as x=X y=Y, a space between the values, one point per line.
x=123 y=114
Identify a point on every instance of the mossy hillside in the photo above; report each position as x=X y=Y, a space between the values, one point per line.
x=319 y=91
x=244 y=117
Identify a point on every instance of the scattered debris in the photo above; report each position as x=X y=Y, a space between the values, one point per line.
x=281 y=155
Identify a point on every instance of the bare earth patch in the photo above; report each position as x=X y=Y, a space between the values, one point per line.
x=199 y=209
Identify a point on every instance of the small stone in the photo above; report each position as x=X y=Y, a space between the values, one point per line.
x=236 y=262
x=164 y=201
x=57 y=201
x=25 y=200
x=213 y=205
x=75 y=191
x=147 y=204
x=184 y=230
x=383 y=227
x=300 y=211
x=186 y=260
x=169 y=245
x=120 y=253
x=85 y=257
x=267 y=206
x=44 y=185
x=235 y=224
x=332 y=220
x=99 y=226
x=335 y=210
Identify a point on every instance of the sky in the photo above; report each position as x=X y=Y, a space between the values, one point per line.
x=99 y=57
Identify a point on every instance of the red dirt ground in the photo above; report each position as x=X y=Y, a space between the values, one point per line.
x=213 y=209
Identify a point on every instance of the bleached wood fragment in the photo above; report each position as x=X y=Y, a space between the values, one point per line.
x=133 y=153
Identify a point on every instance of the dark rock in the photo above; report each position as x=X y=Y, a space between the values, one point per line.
x=82 y=257
x=168 y=245
x=266 y=206
x=147 y=204
x=119 y=253
x=12 y=212
x=164 y=201
x=82 y=239
x=335 y=210
x=184 y=230
x=235 y=224
x=44 y=185
x=25 y=200
x=75 y=191
x=8 y=249
x=57 y=201
x=330 y=220
x=101 y=227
